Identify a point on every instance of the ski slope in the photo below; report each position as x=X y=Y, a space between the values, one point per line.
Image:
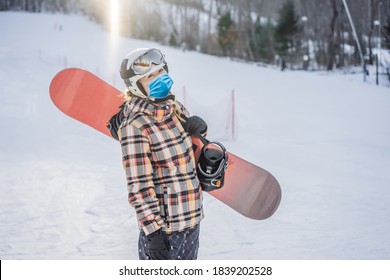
x=325 y=136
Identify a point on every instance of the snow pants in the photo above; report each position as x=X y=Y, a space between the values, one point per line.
x=183 y=245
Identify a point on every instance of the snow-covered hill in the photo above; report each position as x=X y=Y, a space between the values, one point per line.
x=326 y=137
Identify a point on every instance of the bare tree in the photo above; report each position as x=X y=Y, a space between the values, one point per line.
x=332 y=35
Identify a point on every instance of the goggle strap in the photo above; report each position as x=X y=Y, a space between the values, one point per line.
x=126 y=73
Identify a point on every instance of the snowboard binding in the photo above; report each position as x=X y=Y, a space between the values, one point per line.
x=212 y=164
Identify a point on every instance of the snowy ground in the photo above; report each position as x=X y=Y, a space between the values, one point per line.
x=326 y=137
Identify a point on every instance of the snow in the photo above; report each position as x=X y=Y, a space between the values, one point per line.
x=325 y=136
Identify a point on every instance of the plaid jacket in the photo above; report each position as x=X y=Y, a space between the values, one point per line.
x=160 y=167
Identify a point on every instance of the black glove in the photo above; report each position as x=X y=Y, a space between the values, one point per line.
x=195 y=126
x=158 y=249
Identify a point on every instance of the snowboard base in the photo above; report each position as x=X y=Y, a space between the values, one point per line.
x=248 y=189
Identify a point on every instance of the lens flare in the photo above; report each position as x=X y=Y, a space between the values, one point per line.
x=114 y=16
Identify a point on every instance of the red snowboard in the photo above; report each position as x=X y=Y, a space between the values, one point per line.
x=248 y=189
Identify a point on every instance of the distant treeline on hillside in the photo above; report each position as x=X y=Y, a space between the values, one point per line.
x=298 y=34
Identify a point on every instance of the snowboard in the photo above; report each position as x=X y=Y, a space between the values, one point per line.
x=248 y=189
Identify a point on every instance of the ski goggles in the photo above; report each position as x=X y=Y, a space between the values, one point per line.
x=144 y=63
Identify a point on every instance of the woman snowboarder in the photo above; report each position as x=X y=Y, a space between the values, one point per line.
x=155 y=135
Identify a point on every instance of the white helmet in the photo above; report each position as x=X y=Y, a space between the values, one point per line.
x=138 y=64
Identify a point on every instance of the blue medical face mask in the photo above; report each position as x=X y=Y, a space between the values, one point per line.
x=160 y=86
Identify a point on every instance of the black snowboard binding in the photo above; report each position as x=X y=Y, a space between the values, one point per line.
x=115 y=122
x=212 y=163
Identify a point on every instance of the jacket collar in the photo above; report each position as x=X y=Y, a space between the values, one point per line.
x=158 y=111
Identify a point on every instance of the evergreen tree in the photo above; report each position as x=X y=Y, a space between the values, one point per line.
x=287 y=28
x=172 y=40
x=226 y=33
x=264 y=41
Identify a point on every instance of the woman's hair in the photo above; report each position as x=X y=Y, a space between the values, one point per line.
x=126 y=95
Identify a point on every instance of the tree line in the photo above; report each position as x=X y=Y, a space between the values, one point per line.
x=299 y=34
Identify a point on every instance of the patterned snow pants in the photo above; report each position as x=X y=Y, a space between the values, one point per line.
x=183 y=245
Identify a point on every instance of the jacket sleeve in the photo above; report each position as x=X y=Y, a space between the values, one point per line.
x=139 y=173
x=186 y=113
x=183 y=110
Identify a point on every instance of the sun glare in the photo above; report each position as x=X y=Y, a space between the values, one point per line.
x=113 y=12
x=114 y=16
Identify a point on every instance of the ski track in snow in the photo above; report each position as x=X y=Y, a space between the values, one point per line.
x=325 y=137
